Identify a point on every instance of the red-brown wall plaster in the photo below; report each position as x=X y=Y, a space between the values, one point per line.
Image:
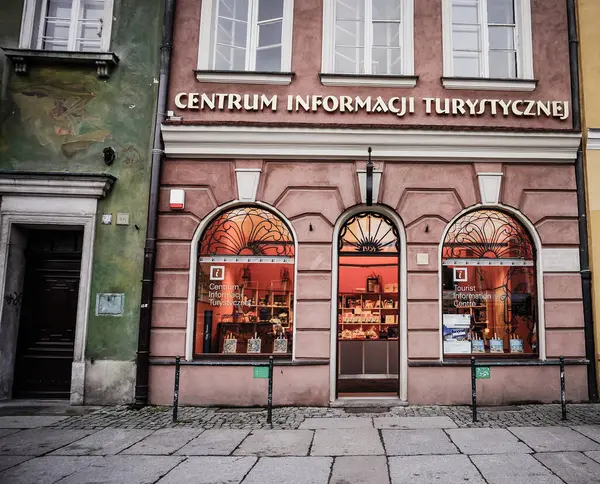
x=551 y=69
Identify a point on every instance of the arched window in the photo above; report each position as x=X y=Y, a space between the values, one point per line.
x=245 y=285
x=489 y=297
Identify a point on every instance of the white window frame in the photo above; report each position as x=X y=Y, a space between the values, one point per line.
x=27 y=34
x=523 y=42
x=208 y=22
x=330 y=78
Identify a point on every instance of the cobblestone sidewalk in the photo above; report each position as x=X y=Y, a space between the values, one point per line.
x=154 y=417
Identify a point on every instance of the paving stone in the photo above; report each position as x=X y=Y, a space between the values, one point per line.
x=104 y=442
x=595 y=454
x=7 y=461
x=417 y=442
x=590 y=431
x=39 y=441
x=429 y=469
x=290 y=470
x=554 y=439
x=124 y=469
x=214 y=442
x=46 y=470
x=414 y=423
x=163 y=442
x=513 y=468
x=364 y=470
x=5 y=432
x=210 y=470
x=346 y=442
x=487 y=441
x=276 y=443
x=29 y=422
x=337 y=423
x=572 y=467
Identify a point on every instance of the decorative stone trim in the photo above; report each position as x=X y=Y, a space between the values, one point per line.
x=246 y=77
x=593 y=139
x=104 y=62
x=367 y=80
x=483 y=84
x=489 y=187
x=247 y=183
x=306 y=143
x=56 y=184
x=561 y=260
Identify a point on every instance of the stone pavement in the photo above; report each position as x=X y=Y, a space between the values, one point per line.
x=416 y=445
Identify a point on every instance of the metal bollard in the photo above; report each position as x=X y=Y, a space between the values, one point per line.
x=473 y=390
x=270 y=396
x=176 y=389
x=563 y=397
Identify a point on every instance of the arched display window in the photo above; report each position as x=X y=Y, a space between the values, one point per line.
x=368 y=306
x=245 y=285
x=489 y=297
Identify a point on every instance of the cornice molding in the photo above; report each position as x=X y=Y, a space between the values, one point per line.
x=593 y=139
x=266 y=142
x=56 y=184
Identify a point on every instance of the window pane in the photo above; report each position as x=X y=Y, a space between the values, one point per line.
x=244 y=308
x=466 y=40
x=270 y=9
x=489 y=309
x=465 y=14
x=349 y=33
x=59 y=9
x=387 y=61
x=387 y=34
x=387 y=10
x=230 y=32
x=466 y=66
x=502 y=38
x=349 y=60
x=501 y=11
x=234 y=9
x=350 y=10
x=269 y=34
x=268 y=60
x=90 y=25
x=503 y=64
x=230 y=58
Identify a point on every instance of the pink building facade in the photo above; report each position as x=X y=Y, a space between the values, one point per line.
x=469 y=248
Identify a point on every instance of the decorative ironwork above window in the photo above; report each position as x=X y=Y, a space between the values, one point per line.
x=369 y=233
x=488 y=234
x=247 y=231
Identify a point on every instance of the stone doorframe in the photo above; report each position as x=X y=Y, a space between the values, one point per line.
x=402 y=296
x=47 y=200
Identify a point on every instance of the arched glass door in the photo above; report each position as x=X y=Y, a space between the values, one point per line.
x=368 y=307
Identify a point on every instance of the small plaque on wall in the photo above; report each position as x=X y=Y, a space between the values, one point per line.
x=110 y=304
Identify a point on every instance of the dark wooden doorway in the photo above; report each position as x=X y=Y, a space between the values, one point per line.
x=49 y=313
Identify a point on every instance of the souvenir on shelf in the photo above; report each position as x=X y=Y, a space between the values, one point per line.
x=516 y=344
x=230 y=344
x=496 y=345
x=254 y=344
x=280 y=344
x=477 y=345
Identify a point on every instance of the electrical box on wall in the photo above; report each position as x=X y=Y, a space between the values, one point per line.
x=177 y=199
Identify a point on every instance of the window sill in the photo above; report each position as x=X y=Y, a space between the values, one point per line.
x=104 y=62
x=482 y=84
x=367 y=80
x=246 y=77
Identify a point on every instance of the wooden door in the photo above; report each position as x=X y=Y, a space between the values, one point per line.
x=48 y=315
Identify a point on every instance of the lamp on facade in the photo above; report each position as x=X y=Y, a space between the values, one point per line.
x=369 y=179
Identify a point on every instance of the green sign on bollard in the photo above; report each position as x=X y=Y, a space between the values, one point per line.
x=261 y=372
x=482 y=372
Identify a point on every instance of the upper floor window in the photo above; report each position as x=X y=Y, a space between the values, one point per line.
x=368 y=37
x=67 y=25
x=488 y=39
x=245 y=36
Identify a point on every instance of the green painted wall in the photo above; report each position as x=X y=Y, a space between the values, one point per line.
x=60 y=118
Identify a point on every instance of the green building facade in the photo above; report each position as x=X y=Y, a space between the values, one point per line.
x=78 y=86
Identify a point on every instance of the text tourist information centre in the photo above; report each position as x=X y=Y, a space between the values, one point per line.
x=274 y=240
